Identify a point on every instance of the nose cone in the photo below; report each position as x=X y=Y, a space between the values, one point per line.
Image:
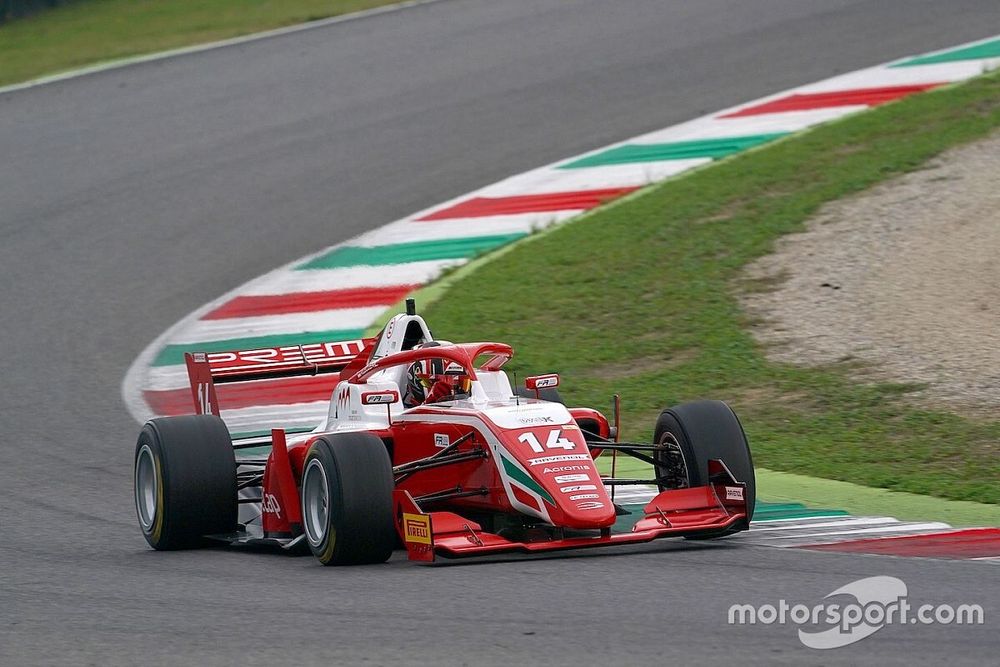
x=548 y=472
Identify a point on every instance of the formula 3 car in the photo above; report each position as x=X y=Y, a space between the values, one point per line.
x=482 y=469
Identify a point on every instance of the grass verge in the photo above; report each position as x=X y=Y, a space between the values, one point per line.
x=85 y=33
x=638 y=298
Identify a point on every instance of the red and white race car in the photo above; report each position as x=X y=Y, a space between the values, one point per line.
x=467 y=467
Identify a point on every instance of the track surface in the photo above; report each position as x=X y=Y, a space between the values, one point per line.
x=130 y=197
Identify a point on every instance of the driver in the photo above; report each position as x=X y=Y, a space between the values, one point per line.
x=433 y=380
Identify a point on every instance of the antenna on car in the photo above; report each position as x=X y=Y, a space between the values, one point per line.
x=411 y=307
x=517 y=397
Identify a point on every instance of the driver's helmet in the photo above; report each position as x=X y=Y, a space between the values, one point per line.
x=431 y=380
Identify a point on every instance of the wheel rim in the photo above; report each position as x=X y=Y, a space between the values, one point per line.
x=146 y=488
x=315 y=502
x=673 y=463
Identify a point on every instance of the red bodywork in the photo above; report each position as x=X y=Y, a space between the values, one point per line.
x=520 y=475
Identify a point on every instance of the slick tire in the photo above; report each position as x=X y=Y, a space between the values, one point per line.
x=346 y=496
x=184 y=481
x=708 y=430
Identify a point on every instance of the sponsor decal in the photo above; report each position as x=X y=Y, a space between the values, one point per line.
x=542 y=381
x=368 y=369
x=537 y=420
x=547 y=471
x=290 y=354
x=441 y=440
x=344 y=397
x=269 y=504
x=734 y=493
x=568 y=479
x=199 y=357
x=379 y=397
x=205 y=398
x=524 y=480
x=545 y=460
x=589 y=505
x=554 y=440
x=579 y=487
x=547 y=381
x=585 y=496
x=417 y=528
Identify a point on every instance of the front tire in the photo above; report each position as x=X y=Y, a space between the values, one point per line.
x=184 y=480
x=347 y=512
x=706 y=430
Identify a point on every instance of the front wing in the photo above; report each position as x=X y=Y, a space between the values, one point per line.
x=712 y=510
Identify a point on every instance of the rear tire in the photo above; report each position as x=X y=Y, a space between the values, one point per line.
x=184 y=480
x=708 y=430
x=347 y=512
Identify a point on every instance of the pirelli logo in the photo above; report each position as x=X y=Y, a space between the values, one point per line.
x=417 y=528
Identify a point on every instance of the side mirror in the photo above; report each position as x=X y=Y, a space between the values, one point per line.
x=538 y=382
x=379 y=397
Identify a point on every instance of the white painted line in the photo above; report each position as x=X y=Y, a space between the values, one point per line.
x=896 y=529
x=210 y=46
x=320 y=280
x=725 y=128
x=239 y=327
x=165 y=378
x=297 y=415
x=633 y=495
x=878 y=77
x=410 y=231
x=770 y=529
x=547 y=180
x=797 y=520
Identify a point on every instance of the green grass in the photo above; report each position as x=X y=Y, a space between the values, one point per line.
x=85 y=33
x=639 y=298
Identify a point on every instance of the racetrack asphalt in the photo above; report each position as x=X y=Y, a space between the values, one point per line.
x=132 y=196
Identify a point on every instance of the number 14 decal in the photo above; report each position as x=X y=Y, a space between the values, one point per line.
x=554 y=441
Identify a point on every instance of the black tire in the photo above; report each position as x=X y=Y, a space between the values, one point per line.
x=184 y=480
x=354 y=525
x=550 y=394
x=709 y=430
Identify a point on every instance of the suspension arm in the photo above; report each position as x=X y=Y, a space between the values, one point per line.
x=407 y=469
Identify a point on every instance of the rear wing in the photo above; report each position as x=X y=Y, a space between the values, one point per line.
x=207 y=369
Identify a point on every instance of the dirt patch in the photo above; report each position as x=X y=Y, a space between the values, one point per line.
x=904 y=278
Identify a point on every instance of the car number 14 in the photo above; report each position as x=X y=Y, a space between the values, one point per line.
x=554 y=441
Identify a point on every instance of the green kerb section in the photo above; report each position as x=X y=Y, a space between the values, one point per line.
x=989 y=49
x=174 y=354
x=401 y=253
x=765 y=511
x=680 y=150
x=518 y=476
x=263 y=450
x=243 y=435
